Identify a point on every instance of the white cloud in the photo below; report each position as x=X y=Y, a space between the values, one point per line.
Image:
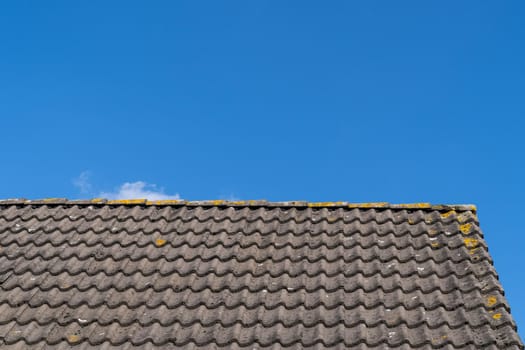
x=82 y=182
x=128 y=190
x=139 y=190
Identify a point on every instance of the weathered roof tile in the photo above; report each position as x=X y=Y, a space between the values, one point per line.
x=248 y=274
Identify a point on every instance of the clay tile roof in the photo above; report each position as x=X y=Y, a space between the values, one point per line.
x=251 y=274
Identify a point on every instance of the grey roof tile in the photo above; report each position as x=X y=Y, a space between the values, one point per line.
x=139 y=274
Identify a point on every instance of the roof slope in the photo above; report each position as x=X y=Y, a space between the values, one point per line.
x=247 y=274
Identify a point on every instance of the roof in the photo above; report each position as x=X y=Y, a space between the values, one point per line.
x=254 y=274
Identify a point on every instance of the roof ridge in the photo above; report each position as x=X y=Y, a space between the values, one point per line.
x=244 y=203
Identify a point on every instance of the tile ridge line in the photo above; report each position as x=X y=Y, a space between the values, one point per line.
x=239 y=203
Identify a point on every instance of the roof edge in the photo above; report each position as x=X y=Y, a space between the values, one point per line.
x=246 y=203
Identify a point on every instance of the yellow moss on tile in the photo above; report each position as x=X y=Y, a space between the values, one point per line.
x=237 y=203
x=165 y=202
x=447 y=214
x=368 y=205
x=98 y=200
x=464 y=217
x=325 y=204
x=50 y=200
x=159 y=242
x=414 y=205
x=73 y=338
x=491 y=301
x=470 y=242
x=472 y=208
x=465 y=228
x=127 y=201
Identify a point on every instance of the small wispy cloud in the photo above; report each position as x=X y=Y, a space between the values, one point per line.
x=82 y=182
x=128 y=190
x=139 y=189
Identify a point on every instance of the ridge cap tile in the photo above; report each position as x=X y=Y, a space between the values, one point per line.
x=241 y=203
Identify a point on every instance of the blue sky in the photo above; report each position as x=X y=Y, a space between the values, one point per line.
x=406 y=101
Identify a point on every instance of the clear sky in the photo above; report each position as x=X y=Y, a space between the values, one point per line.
x=398 y=101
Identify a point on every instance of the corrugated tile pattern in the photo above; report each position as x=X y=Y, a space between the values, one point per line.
x=147 y=276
